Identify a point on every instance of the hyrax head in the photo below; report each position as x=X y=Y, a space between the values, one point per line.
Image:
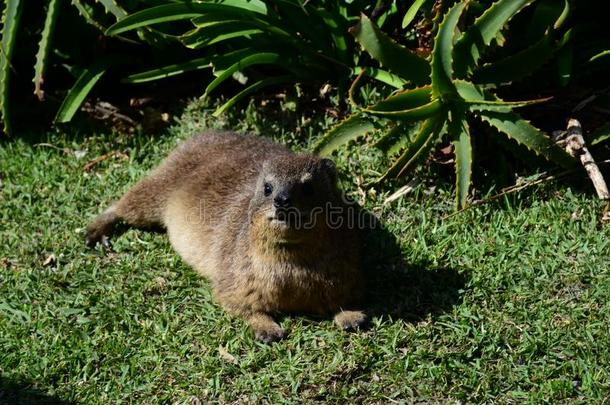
x=293 y=192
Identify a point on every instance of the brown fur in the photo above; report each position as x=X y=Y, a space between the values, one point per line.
x=209 y=196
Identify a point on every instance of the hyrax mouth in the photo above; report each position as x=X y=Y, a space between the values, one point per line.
x=289 y=218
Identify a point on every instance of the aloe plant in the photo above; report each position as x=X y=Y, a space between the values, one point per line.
x=10 y=20
x=93 y=13
x=241 y=35
x=440 y=96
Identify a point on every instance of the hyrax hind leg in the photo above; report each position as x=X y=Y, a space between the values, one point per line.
x=350 y=320
x=141 y=207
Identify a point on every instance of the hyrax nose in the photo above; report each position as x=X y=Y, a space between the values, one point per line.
x=282 y=200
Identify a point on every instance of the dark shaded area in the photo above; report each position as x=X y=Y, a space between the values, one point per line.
x=22 y=392
x=402 y=290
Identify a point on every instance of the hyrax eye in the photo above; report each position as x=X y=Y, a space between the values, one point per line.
x=268 y=189
x=307 y=189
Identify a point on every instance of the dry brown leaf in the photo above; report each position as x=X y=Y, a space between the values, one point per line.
x=226 y=356
x=50 y=260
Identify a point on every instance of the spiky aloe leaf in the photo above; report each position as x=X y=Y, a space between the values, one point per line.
x=10 y=21
x=381 y=75
x=82 y=10
x=547 y=15
x=87 y=14
x=422 y=144
x=251 y=89
x=79 y=91
x=394 y=141
x=397 y=147
x=472 y=43
x=43 y=48
x=168 y=71
x=500 y=106
x=256 y=59
x=353 y=127
x=517 y=66
x=389 y=137
x=172 y=12
x=442 y=54
x=113 y=8
x=411 y=12
x=405 y=99
x=475 y=98
x=395 y=57
x=515 y=127
x=458 y=129
x=409 y=114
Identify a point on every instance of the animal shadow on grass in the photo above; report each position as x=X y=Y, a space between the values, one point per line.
x=23 y=392
x=402 y=290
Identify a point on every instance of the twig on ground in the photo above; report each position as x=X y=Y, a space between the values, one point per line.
x=406 y=189
x=49 y=145
x=574 y=143
x=575 y=146
x=115 y=153
x=519 y=187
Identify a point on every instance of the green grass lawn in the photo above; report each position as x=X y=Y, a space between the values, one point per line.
x=507 y=302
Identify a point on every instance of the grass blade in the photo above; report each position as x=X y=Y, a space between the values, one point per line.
x=515 y=127
x=411 y=12
x=10 y=22
x=599 y=55
x=351 y=128
x=43 y=48
x=336 y=32
x=255 y=6
x=388 y=53
x=601 y=134
x=202 y=37
x=168 y=71
x=251 y=89
x=79 y=91
x=442 y=54
x=172 y=12
x=256 y=59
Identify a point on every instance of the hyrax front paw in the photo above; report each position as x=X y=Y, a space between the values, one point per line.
x=350 y=320
x=101 y=228
x=94 y=236
x=269 y=335
x=265 y=328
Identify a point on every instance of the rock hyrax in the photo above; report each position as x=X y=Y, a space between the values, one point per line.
x=266 y=226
